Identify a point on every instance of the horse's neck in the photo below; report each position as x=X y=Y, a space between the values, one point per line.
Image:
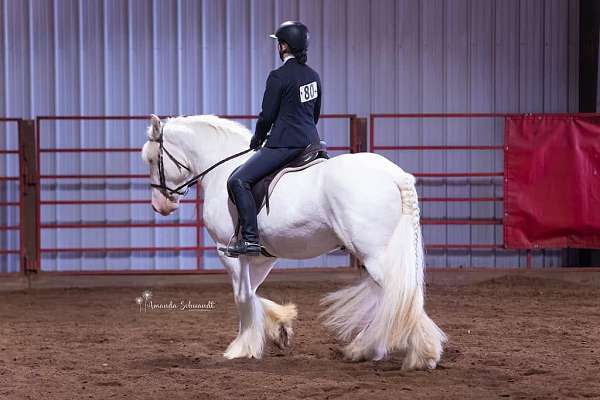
x=203 y=158
x=216 y=180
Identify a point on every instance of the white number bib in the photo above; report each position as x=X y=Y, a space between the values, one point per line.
x=308 y=92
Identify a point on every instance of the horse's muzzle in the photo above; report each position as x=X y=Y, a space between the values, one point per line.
x=163 y=213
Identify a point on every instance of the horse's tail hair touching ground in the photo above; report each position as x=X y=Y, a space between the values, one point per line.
x=391 y=316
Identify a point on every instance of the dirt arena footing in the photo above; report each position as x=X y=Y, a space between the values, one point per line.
x=436 y=276
x=511 y=334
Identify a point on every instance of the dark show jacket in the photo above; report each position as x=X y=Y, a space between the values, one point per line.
x=291 y=107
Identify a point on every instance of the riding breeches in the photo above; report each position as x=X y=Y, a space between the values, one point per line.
x=262 y=163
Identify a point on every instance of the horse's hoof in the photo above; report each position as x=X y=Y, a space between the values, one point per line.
x=357 y=354
x=284 y=339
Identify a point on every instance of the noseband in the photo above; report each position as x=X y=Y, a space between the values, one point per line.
x=162 y=185
x=185 y=187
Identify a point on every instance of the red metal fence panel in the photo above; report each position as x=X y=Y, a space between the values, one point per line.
x=10 y=219
x=449 y=147
x=49 y=174
x=443 y=150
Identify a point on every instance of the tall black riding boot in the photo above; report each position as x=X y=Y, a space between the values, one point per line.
x=249 y=244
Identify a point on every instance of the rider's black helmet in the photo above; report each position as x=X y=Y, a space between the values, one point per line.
x=295 y=34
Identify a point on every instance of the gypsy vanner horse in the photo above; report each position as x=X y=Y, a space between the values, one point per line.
x=361 y=202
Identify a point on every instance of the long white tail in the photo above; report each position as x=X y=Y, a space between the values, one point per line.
x=391 y=317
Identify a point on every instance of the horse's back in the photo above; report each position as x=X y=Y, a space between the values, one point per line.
x=362 y=171
x=348 y=193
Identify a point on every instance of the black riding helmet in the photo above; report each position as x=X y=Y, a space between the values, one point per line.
x=294 y=33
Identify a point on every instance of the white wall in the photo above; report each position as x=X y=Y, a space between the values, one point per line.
x=186 y=57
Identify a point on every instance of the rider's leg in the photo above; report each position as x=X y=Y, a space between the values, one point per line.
x=262 y=163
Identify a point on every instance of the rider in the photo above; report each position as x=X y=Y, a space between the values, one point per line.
x=290 y=110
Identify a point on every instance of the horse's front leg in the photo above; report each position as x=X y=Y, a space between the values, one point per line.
x=251 y=336
x=278 y=317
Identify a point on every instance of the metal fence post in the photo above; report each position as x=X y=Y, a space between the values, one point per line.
x=358 y=144
x=358 y=135
x=28 y=197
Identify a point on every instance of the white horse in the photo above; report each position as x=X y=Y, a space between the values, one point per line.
x=361 y=202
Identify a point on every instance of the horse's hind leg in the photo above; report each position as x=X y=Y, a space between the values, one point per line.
x=278 y=317
x=350 y=314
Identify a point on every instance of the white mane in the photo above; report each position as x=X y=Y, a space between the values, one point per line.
x=220 y=124
x=194 y=124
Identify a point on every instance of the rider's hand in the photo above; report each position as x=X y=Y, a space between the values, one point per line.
x=255 y=143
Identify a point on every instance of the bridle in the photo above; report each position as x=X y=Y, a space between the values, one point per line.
x=184 y=187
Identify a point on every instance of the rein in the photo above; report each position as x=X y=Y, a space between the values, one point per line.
x=183 y=188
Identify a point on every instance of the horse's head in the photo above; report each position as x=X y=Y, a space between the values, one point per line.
x=169 y=168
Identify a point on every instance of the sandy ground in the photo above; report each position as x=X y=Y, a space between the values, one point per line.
x=514 y=337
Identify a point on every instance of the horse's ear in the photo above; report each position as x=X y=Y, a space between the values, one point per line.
x=154 y=131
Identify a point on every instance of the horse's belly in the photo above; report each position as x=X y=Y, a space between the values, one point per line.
x=300 y=242
x=296 y=226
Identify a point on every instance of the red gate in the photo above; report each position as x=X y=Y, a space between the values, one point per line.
x=10 y=210
x=422 y=143
x=45 y=177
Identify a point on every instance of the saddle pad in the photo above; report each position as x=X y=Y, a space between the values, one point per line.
x=278 y=176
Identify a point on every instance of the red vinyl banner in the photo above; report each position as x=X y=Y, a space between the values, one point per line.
x=552 y=182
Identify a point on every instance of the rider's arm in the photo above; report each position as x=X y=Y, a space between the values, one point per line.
x=270 y=107
x=317 y=112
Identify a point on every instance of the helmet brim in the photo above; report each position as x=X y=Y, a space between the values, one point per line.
x=273 y=36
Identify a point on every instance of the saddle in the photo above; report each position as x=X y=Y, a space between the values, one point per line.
x=312 y=154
